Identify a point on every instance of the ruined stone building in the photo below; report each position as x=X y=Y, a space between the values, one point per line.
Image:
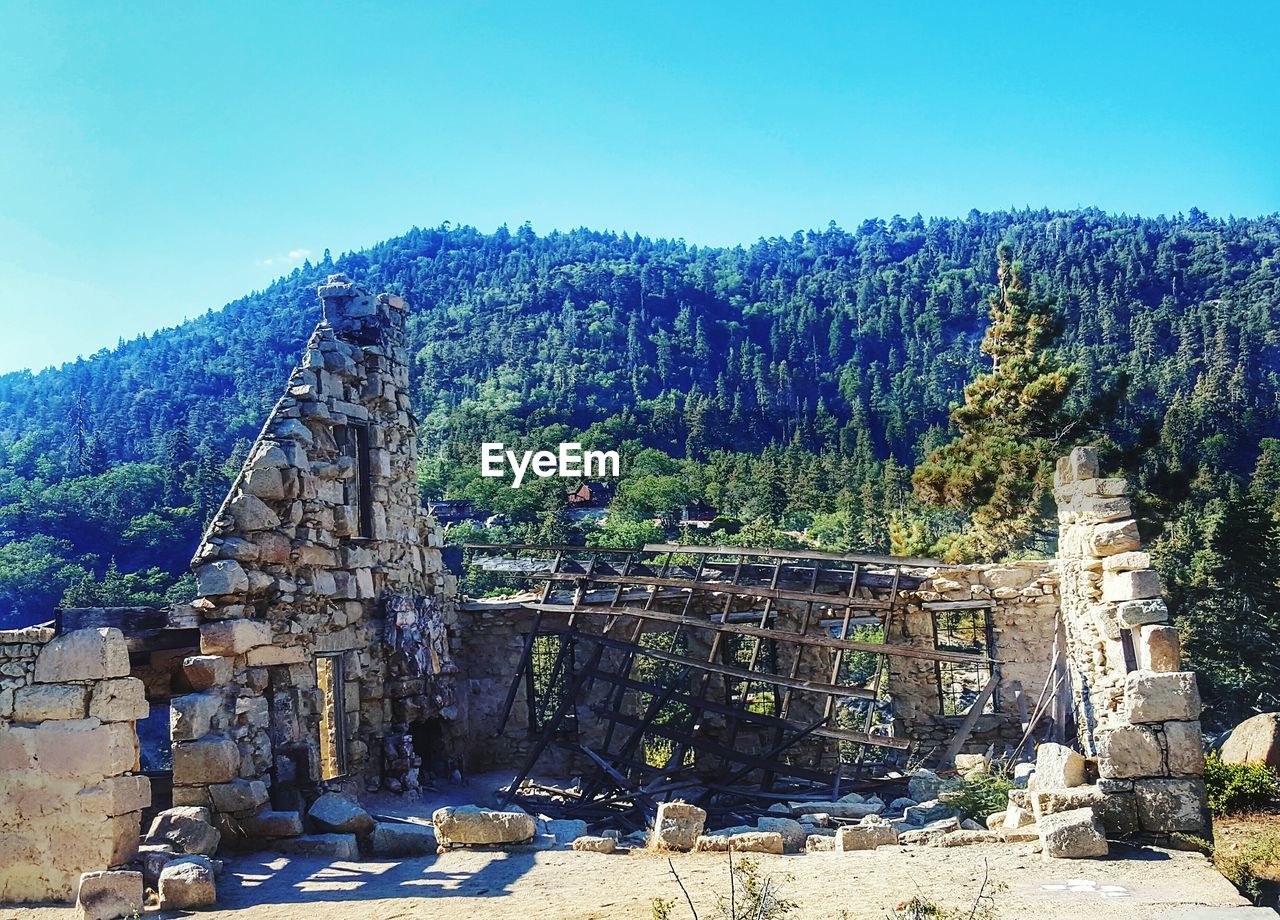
x=328 y=649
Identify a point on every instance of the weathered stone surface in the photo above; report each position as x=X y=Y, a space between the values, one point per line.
x=1127 y=562
x=109 y=895
x=1158 y=697
x=251 y=513
x=1159 y=649
x=1184 y=748
x=1115 y=537
x=192 y=716
x=266 y=656
x=275 y=824
x=1074 y=834
x=566 y=830
x=839 y=809
x=186 y=829
x=820 y=843
x=123 y=699
x=468 y=825
x=209 y=760
x=927 y=813
x=678 y=826
x=49 y=701
x=402 y=838
x=1129 y=586
x=595 y=844
x=928 y=833
x=85 y=654
x=221 y=577
x=1058 y=767
x=205 y=671
x=864 y=837
x=793 y=832
x=759 y=842
x=127 y=794
x=1168 y=806
x=238 y=796
x=333 y=846
x=1142 y=612
x=336 y=814
x=84 y=748
x=1255 y=740
x=153 y=857
x=187 y=883
x=265 y=482
x=1130 y=751
x=924 y=785
x=233 y=637
x=1015 y=816
x=964 y=838
x=1051 y=801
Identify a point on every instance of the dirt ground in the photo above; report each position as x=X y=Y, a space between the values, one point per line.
x=522 y=884
x=563 y=885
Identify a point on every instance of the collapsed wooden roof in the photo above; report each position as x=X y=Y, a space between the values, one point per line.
x=587 y=595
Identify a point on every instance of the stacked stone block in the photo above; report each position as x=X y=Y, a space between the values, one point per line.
x=1136 y=712
x=298 y=562
x=70 y=799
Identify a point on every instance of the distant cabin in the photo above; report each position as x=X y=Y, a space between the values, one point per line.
x=452 y=510
x=699 y=514
x=592 y=495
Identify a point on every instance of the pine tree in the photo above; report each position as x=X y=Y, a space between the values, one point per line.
x=1010 y=424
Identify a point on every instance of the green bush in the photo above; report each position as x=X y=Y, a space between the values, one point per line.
x=1236 y=787
x=979 y=795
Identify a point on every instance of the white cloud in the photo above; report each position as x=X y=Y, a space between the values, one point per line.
x=293 y=257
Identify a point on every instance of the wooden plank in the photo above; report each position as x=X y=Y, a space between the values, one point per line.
x=722 y=669
x=860 y=558
x=957 y=605
x=970 y=720
x=719 y=587
x=851 y=645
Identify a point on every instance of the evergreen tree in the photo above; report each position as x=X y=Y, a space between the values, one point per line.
x=998 y=469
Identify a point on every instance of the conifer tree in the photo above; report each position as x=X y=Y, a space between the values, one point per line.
x=1011 y=427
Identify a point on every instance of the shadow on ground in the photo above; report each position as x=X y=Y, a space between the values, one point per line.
x=299 y=880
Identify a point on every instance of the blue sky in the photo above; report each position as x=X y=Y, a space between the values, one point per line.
x=160 y=160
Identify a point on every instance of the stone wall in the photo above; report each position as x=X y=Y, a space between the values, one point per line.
x=70 y=801
x=320 y=549
x=1136 y=712
x=1021 y=601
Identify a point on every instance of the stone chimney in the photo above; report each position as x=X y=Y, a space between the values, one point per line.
x=357 y=316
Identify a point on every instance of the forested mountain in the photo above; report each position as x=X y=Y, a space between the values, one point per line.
x=792 y=384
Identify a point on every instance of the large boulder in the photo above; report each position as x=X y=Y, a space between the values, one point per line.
x=1074 y=834
x=187 y=829
x=1255 y=740
x=109 y=895
x=187 y=884
x=402 y=838
x=1058 y=767
x=1130 y=751
x=469 y=825
x=678 y=826
x=336 y=814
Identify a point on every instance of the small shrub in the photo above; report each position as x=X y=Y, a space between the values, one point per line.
x=980 y=794
x=1239 y=787
x=1243 y=865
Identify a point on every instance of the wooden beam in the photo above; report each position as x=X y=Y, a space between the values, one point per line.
x=970 y=720
x=850 y=645
x=722 y=669
x=719 y=587
x=795 y=554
